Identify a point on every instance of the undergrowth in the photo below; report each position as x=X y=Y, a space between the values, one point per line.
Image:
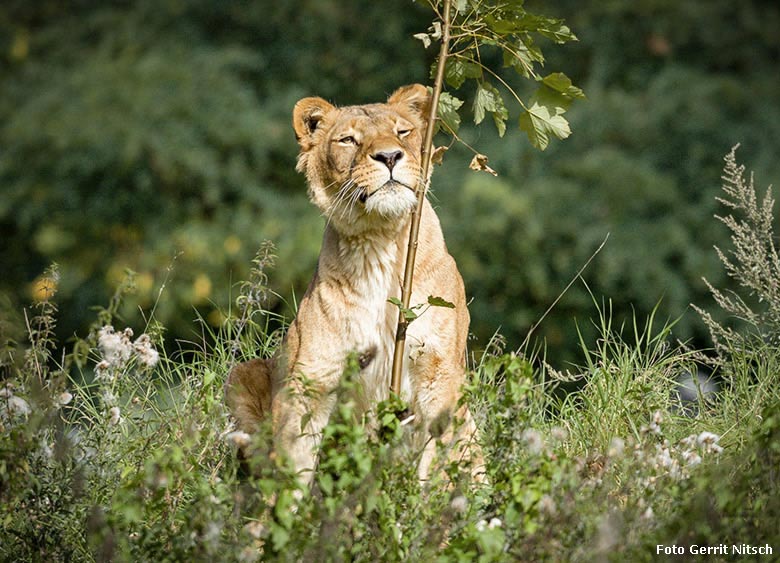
x=122 y=450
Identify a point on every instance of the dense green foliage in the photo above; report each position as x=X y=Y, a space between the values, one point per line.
x=154 y=136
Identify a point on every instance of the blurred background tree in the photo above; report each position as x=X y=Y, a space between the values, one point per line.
x=154 y=136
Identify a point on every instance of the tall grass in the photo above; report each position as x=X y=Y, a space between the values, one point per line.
x=123 y=450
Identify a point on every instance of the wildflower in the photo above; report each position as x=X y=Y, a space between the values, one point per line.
x=115 y=346
x=481 y=526
x=115 y=415
x=145 y=352
x=494 y=523
x=709 y=442
x=559 y=434
x=239 y=439
x=256 y=529
x=108 y=398
x=64 y=399
x=663 y=458
x=533 y=439
x=714 y=449
x=707 y=438
x=655 y=425
x=46 y=451
x=676 y=472
x=616 y=447
x=689 y=442
x=17 y=406
x=249 y=555
x=691 y=458
x=459 y=504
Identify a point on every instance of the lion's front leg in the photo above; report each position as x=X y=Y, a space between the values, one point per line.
x=299 y=417
x=436 y=381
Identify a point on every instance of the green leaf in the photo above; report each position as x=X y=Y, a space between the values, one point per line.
x=558 y=32
x=523 y=55
x=501 y=26
x=325 y=481
x=499 y=118
x=283 y=509
x=540 y=123
x=408 y=314
x=279 y=537
x=439 y=302
x=448 y=111
x=488 y=99
x=562 y=83
x=459 y=69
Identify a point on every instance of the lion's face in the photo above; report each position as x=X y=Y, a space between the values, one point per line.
x=363 y=163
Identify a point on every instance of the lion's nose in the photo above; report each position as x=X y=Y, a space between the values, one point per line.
x=389 y=158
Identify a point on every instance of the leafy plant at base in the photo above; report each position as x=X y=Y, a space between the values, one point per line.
x=410 y=313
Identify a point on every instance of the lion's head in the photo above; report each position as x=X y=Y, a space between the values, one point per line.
x=363 y=163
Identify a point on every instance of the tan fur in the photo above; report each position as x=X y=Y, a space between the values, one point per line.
x=363 y=166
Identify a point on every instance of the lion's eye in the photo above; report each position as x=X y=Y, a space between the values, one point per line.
x=347 y=140
x=404 y=133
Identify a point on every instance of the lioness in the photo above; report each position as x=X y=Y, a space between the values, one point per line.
x=363 y=167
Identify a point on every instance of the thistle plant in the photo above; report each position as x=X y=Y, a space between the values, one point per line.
x=253 y=293
x=40 y=328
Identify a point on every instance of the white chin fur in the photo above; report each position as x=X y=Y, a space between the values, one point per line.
x=392 y=202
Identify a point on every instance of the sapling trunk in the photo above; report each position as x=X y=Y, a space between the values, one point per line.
x=414 y=230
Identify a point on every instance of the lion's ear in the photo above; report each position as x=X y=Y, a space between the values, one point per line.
x=416 y=97
x=307 y=115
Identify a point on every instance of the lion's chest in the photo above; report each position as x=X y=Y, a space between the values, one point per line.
x=346 y=311
x=370 y=321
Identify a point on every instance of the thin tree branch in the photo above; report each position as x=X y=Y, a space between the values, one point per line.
x=414 y=230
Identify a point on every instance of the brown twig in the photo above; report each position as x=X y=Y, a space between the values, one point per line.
x=406 y=290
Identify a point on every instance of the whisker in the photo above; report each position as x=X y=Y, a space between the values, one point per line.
x=342 y=196
x=332 y=209
x=354 y=198
x=350 y=201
